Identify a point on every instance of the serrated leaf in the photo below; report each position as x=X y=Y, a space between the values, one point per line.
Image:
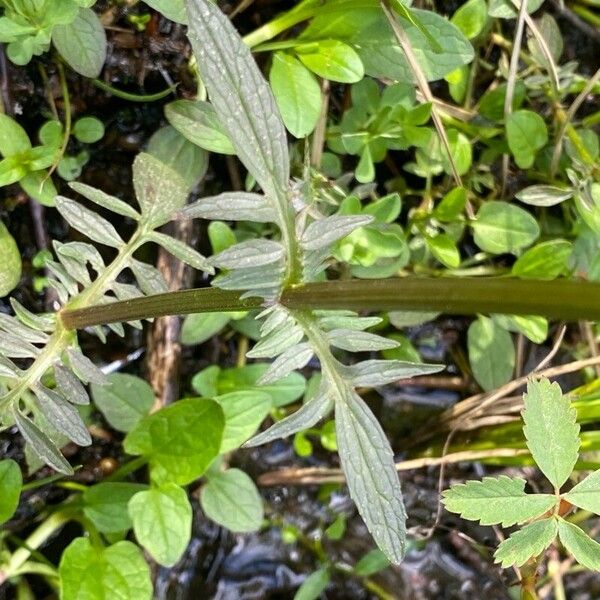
x=160 y=191
x=62 y=415
x=496 y=500
x=11 y=482
x=586 y=494
x=41 y=444
x=354 y=323
x=240 y=96
x=584 y=549
x=89 y=223
x=324 y=232
x=97 y=572
x=82 y=43
x=253 y=278
x=372 y=373
x=231 y=499
x=82 y=252
x=307 y=416
x=162 y=522
x=232 y=206
x=105 y=200
x=182 y=251
x=526 y=543
x=105 y=505
x=244 y=411
x=551 y=430
x=293 y=358
x=359 y=341
x=368 y=462
x=249 y=254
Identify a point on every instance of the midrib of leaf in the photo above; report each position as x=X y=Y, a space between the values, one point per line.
x=340 y=389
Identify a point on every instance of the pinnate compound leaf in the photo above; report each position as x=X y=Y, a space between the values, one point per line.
x=84 y=368
x=82 y=43
x=124 y=401
x=41 y=444
x=297 y=93
x=11 y=481
x=160 y=191
x=149 y=278
x=10 y=266
x=231 y=206
x=586 y=494
x=180 y=440
x=231 y=499
x=308 y=415
x=526 y=543
x=496 y=500
x=551 y=430
x=491 y=353
x=95 y=572
x=584 y=549
x=240 y=96
x=368 y=462
x=94 y=226
x=162 y=522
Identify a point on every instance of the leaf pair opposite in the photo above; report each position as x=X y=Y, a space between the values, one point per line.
x=552 y=436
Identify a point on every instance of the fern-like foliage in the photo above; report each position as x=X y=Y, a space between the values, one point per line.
x=42 y=370
x=247 y=110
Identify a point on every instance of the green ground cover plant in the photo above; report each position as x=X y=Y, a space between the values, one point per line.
x=302 y=255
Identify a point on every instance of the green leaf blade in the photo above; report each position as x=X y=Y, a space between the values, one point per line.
x=240 y=96
x=496 y=500
x=584 y=549
x=11 y=482
x=368 y=462
x=551 y=430
x=162 y=522
x=526 y=543
x=586 y=494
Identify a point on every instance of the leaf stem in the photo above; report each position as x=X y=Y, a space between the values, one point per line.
x=560 y=299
